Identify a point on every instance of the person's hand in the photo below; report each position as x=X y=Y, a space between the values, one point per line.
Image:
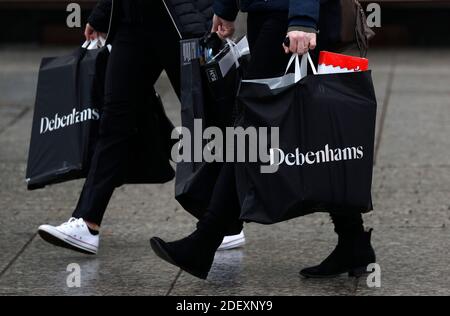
x=300 y=42
x=222 y=27
x=91 y=34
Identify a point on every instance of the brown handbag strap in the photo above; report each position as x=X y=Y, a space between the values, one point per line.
x=363 y=33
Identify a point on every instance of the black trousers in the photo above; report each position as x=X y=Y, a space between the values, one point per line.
x=266 y=33
x=140 y=53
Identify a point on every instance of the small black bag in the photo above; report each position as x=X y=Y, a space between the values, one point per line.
x=208 y=92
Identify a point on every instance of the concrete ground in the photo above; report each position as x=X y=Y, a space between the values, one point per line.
x=411 y=196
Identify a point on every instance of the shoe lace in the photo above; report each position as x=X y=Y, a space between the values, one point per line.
x=72 y=222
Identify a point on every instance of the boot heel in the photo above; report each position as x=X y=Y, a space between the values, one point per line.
x=358 y=272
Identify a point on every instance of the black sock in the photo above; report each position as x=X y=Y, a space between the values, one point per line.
x=92 y=231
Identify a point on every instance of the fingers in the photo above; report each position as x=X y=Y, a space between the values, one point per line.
x=225 y=32
x=300 y=42
x=215 y=26
x=313 y=42
x=296 y=46
x=302 y=46
x=89 y=33
x=293 y=44
x=222 y=27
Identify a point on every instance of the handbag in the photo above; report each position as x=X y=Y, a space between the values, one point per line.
x=343 y=25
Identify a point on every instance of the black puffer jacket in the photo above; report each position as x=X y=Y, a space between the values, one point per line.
x=191 y=18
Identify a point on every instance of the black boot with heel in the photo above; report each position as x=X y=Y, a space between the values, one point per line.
x=352 y=255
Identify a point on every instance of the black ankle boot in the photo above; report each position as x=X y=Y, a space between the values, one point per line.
x=352 y=255
x=193 y=254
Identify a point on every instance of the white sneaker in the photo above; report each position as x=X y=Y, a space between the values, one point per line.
x=232 y=242
x=73 y=235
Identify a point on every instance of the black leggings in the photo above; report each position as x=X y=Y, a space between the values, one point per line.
x=140 y=53
x=266 y=32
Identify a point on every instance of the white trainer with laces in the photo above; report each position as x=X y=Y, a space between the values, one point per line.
x=232 y=242
x=73 y=234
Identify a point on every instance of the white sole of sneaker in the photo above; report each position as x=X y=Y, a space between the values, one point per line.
x=237 y=243
x=57 y=238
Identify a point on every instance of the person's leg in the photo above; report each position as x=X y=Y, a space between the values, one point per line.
x=351 y=223
x=195 y=253
x=224 y=207
x=167 y=51
x=166 y=45
x=266 y=32
x=353 y=252
x=128 y=69
x=128 y=75
x=263 y=28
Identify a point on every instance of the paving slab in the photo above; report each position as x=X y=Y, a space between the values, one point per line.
x=411 y=197
x=416 y=130
x=413 y=261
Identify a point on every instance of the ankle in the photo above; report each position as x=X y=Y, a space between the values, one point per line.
x=92 y=226
x=209 y=240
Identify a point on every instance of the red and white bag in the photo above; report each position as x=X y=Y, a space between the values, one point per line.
x=330 y=63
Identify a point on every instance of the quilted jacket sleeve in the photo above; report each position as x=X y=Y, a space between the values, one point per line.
x=100 y=16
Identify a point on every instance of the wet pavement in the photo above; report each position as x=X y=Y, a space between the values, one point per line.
x=411 y=198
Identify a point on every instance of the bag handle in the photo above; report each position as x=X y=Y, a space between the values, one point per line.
x=232 y=46
x=94 y=44
x=230 y=42
x=301 y=69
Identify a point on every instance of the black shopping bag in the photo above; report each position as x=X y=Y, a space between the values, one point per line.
x=67 y=110
x=208 y=92
x=65 y=129
x=223 y=75
x=325 y=152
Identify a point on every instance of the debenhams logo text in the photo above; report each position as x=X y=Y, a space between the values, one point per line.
x=278 y=156
x=76 y=117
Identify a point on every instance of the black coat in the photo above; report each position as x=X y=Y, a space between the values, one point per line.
x=191 y=18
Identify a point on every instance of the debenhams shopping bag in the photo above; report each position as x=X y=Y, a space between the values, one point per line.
x=67 y=110
x=324 y=158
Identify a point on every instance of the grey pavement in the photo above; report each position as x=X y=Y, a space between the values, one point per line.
x=411 y=196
